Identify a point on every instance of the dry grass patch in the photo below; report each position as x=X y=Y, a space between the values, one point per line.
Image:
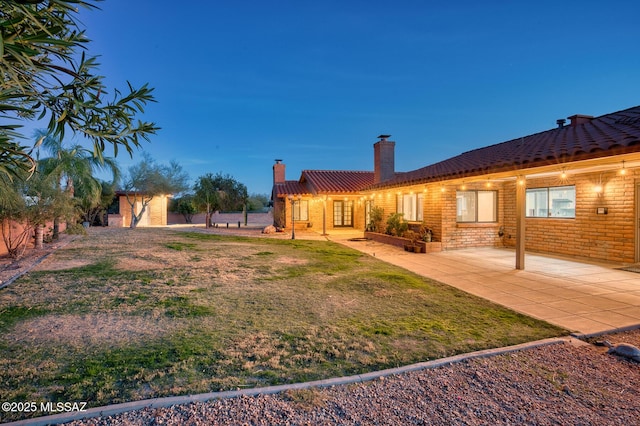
x=89 y=330
x=153 y=312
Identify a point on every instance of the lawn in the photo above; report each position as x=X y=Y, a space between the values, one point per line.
x=124 y=315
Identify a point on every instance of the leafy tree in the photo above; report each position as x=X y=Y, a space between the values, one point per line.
x=12 y=217
x=46 y=75
x=257 y=202
x=73 y=169
x=219 y=192
x=28 y=204
x=93 y=205
x=148 y=179
x=185 y=206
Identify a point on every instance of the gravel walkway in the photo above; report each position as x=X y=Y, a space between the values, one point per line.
x=553 y=385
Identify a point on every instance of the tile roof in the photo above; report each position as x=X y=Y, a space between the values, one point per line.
x=608 y=135
x=292 y=187
x=314 y=182
x=336 y=181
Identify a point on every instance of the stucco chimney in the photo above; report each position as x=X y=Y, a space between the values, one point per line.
x=580 y=119
x=383 y=159
x=278 y=171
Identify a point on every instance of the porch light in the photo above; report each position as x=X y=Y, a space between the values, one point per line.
x=623 y=170
x=598 y=189
x=293 y=221
x=563 y=175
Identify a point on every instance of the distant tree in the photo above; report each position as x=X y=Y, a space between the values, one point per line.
x=185 y=206
x=46 y=75
x=257 y=202
x=93 y=205
x=218 y=193
x=148 y=179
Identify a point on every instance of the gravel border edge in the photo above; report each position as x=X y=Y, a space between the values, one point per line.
x=114 y=409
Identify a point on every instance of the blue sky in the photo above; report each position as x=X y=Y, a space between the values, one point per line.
x=240 y=83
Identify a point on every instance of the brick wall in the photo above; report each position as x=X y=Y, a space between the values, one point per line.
x=315 y=213
x=607 y=237
x=465 y=235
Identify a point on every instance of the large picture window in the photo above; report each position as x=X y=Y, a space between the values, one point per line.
x=411 y=206
x=558 y=201
x=477 y=206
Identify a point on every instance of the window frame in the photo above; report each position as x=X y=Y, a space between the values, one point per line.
x=417 y=213
x=298 y=209
x=476 y=202
x=347 y=205
x=549 y=204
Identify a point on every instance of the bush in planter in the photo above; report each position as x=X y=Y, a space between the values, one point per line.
x=396 y=225
x=375 y=219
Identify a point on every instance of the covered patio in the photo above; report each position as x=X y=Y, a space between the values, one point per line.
x=583 y=297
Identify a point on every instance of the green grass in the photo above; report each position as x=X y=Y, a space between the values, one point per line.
x=144 y=316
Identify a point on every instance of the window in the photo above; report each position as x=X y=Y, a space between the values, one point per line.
x=368 y=205
x=343 y=213
x=411 y=206
x=558 y=201
x=301 y=210
x=477 y=206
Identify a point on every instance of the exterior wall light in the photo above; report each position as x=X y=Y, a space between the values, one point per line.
x=623 y=170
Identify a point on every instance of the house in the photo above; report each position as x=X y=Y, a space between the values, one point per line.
x=571 y=190
x=154 y=215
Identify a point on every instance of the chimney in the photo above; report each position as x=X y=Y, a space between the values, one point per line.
x=383 y=159
x=278 y=171
x=580 y=119
x=560 y=122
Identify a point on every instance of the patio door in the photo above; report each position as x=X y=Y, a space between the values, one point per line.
x=342 y=213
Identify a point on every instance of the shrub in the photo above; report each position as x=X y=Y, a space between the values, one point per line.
x=375 y=223
x=396 y=225
x=76 y=229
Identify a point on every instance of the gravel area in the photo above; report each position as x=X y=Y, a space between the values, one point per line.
x=560 y=384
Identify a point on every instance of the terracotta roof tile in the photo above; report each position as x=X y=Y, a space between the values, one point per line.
x=292 y=187
x=610 y=134
x=336 y=181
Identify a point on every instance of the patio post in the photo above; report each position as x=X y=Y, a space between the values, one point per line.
x=521 y=194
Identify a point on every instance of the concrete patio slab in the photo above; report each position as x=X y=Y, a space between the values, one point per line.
x=583 y=297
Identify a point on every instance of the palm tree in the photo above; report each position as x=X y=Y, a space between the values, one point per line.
x=73 y=167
